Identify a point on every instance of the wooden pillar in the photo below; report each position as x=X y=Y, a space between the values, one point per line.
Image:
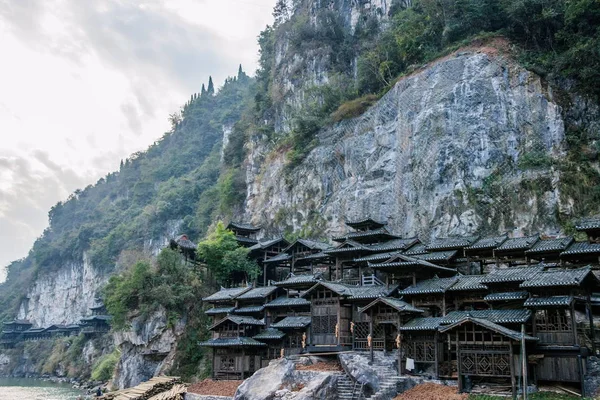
x=400 y=369
x=243 y=363
x=513 y=382
x=338 y=263
x=524 y=362
x=581 y=375
x=458 y=367
x=437 y=358
x=265 y=274
x=444 y=305
x=588 y=306
x=574 y=323
x=371 y=334
x=214 y=367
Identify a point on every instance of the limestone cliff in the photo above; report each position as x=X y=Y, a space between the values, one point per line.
x=468 y=144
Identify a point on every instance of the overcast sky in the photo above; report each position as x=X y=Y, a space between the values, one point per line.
x=85 y=83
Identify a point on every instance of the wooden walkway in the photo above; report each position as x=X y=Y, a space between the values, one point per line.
x=158 y=388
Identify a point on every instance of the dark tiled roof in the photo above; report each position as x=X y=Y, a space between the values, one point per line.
x=397 y=304
x=270 y=334
x=437 y=256
x=365 y=222
x=487 y=243
x=552 y=301
x=315 y=256
x=581 y=248
x=549 y=245
x=264 y=243
x=512 y=274
x=496 y=316
x=485 y=323
x=257 y=293
x=219 y=310
x=522 y=243
x=558 y=277
x=422 y=324
x=288 y=302
x=299 y=279
x=353 y=292
x=239 y=320
x=311 y=244
x=394 y=244
x=429 y=286
x=468 y=283
x=363 y=234
x=18 y=322
x=249 y=310
x=104 y=318
x=419 y=248
x=232 y=342
x=185 y=243
x=412 y=263
x=226 y=294
x=278 y=258
x=243 y=239
x=243 y=227
x=348 y=246
x=292 y=322
x=451 y=243
x=377 y=257
x=588 y=224
x=506 y=296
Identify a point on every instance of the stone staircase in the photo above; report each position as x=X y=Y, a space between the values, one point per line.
x=385 y=367
x=347 y=388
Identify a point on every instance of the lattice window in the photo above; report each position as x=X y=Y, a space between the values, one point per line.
x=485 y=363
x=552 y=321
x=324 y=324
x=227 y=364
x=420 y=351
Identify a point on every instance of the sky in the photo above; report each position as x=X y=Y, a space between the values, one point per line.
x=85 y=83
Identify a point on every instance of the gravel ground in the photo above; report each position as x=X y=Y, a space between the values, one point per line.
x=215 y=388
x=320 y=366
x=431 y=391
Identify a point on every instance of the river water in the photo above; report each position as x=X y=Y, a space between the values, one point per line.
x=33 y=389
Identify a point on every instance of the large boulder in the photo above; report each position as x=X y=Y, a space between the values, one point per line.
x=281 y=380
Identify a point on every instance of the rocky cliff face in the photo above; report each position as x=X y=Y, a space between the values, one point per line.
x=65 y=296
x=147 y=349
x=462 y=146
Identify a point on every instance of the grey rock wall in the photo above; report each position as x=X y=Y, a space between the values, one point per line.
x=445 y=152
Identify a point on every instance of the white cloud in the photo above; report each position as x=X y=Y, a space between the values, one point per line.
x=86 y=83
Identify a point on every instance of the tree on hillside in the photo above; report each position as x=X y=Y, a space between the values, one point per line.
x=211 y=87
x=223 y=256
x=203 y=92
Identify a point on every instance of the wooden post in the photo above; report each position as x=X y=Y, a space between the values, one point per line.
x=458 y=368
x=574 y=324
x=444 y=305
x=513 y=382
x=581 y=375
x=400 y=369
x=591 y=318
x=371 y=334
x=436 y=349
x=524 y=362
x=337 y=268
x=265 y=274
x=214 y=367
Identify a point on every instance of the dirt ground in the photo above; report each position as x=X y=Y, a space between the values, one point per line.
x=320 y=366
x=431 y=391
x=215 y=388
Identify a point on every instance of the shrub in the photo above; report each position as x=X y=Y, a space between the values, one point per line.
x=354 y=108
x=105 y=366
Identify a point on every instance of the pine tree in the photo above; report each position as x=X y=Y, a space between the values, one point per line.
x=203 y=92
x=240 y=72
x=211 y=87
